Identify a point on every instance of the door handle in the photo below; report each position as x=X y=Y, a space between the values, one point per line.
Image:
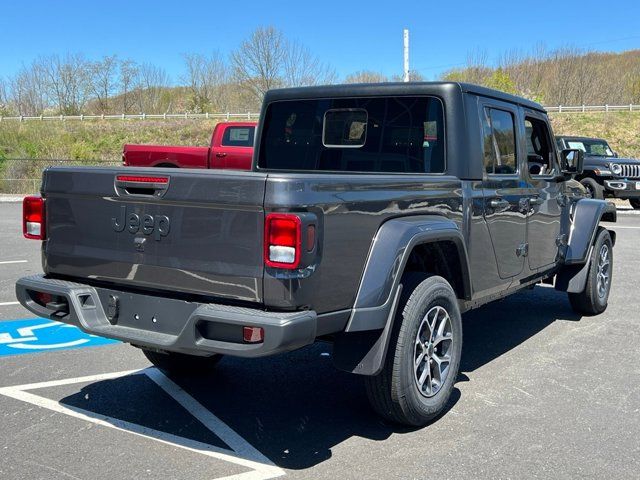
x=221 y=154
x=498 y=203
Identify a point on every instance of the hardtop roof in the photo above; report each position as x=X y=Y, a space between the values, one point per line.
x=395 y=89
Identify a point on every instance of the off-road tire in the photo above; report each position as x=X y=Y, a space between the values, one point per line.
x=594 y=189
x=590 y=301
x=394 y=393
x=181 y=364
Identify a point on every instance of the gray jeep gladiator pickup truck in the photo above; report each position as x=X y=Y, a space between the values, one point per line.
x=374 y=215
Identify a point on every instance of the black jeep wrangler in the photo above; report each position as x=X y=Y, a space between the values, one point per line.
x=373 y=217
x=605 y=174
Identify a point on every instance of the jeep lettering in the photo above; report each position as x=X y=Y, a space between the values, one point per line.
x=159 y=225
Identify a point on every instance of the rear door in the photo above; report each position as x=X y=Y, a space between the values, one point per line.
x=505 y=194
x=163 y=229
x=234 y=147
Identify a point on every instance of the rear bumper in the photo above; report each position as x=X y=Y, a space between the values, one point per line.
x=166 y=323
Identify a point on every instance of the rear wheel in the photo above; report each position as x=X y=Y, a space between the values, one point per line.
x=422 y=362
x=594 y=299
x=181 y=364
x=635 y=203
x=594 y=189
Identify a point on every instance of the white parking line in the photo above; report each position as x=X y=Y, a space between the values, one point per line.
x=7 y=262
x=242 y=453
x=6 y=304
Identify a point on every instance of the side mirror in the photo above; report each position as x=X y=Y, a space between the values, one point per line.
x=571 y=161
x=615 y=155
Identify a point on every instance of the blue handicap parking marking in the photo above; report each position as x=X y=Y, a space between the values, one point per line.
x=42 y=335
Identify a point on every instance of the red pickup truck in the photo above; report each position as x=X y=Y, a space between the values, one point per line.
x=231 y=148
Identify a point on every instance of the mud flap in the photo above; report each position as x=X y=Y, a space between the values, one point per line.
x=572 y=278
x=364 y=352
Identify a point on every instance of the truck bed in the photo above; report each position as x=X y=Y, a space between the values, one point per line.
x=157 y=155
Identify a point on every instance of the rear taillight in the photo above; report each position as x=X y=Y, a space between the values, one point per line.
x=282 y=240
x=33 y=224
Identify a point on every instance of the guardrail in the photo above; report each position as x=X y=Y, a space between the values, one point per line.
x=254 y=116
x=593 y=108
x=138 y=116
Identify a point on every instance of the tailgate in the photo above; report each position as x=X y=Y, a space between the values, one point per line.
x=200 y=232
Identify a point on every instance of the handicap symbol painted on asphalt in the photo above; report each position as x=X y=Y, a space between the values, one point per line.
x=41 y=335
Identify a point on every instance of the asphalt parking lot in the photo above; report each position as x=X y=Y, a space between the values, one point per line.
x=542 y=393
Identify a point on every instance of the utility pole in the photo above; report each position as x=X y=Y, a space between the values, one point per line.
x=406 y=55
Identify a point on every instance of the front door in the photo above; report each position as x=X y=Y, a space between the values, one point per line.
x=505 y=194
x=236 y=147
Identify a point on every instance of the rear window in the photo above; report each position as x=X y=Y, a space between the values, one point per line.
x=390 y=134
x=238 y=137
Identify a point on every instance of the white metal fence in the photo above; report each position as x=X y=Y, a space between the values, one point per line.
x=593 y=108
x=139 y=116
x=254 y=116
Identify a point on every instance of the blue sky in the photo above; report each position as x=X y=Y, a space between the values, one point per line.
x=350 y=35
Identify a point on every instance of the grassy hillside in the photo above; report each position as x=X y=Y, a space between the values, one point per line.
x=101 y=142
x=621 y=129
x=83 y=143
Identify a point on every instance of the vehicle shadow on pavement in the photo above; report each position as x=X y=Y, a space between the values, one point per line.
x=493 y=330
x=294 y=408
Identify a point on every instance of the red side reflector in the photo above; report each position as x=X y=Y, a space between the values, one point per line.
x=253 y=334
x=282 y=240
x=311 y=237
x=141 y=179
x=43 y=298
x=33 y=218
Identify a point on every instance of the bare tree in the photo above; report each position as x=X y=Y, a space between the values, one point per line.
x=259 y=60
x=206 y=79
x=152 y=81
x=366 y=76
x=27 y=91
x=301 y=68
x=104 y=81
x=67 y=81
x=4 y=97
x=127 y=77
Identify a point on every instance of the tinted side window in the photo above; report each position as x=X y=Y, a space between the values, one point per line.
x=499 y=142
x=238 y=137
x=385 y=134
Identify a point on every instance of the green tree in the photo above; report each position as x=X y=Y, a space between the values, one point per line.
x=500 y=80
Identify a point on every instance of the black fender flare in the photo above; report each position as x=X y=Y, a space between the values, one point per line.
x=362 y=347
x=587 y=215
